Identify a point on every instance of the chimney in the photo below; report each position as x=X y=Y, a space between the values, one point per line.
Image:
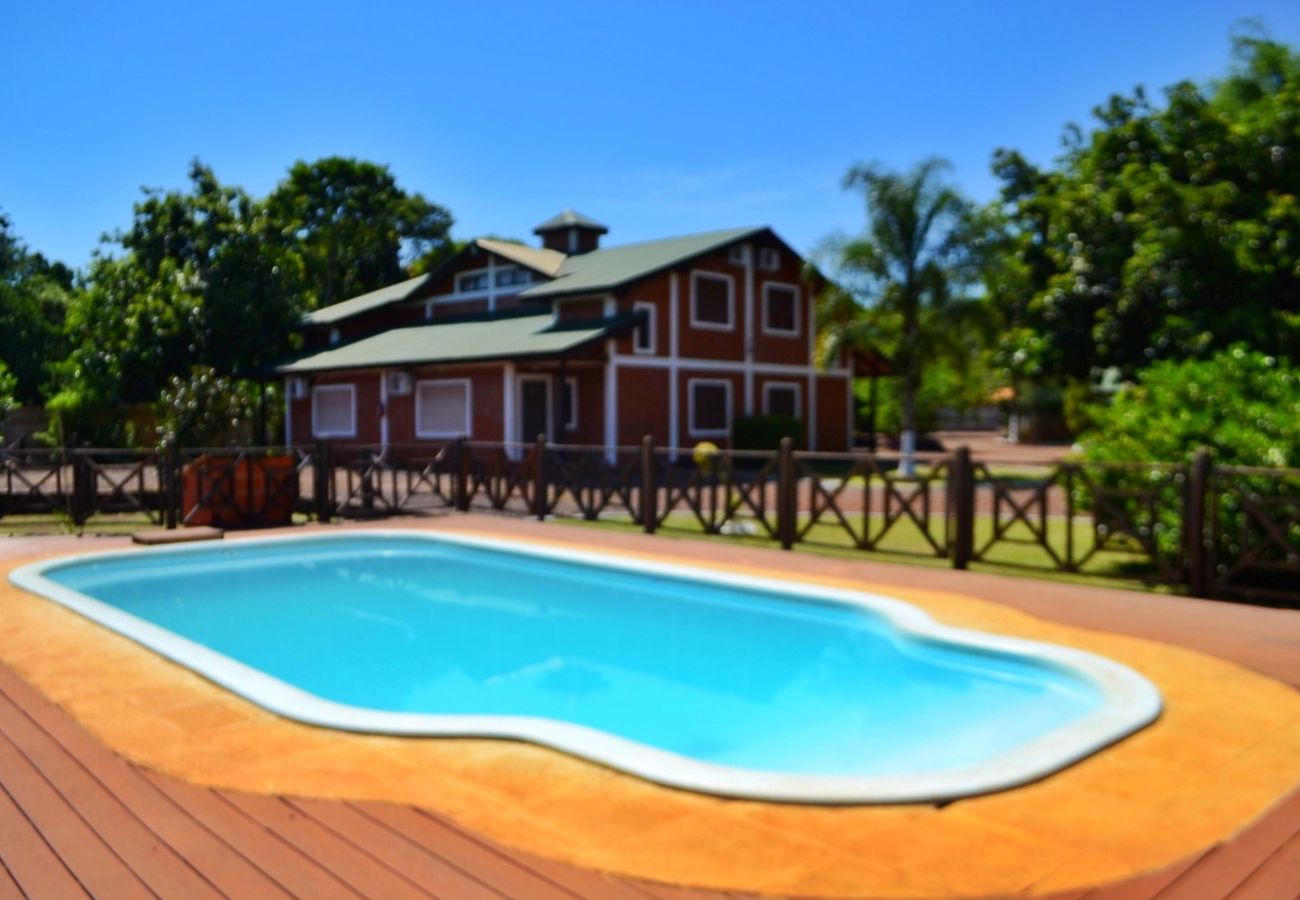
x=571 y=232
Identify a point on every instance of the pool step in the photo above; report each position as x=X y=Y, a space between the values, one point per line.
x=177 y=535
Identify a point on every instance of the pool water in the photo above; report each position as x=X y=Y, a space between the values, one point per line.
x=766 y=677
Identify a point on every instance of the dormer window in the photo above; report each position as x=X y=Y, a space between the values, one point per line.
x=468 y=282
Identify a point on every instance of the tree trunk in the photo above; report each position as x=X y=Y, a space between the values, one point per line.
x=907 y=441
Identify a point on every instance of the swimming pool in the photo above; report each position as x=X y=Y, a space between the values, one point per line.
x=699 y=679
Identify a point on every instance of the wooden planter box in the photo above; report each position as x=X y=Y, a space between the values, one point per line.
x=239 y=493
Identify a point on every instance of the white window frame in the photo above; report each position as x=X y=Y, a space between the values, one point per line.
x=651 y=324
x=474 y=292
x=789 y=385
x=769 y=259
x=467 y=431
x=798 y=304
x=691 y=384
x=317 y=390
x=571 y=423
x=731 y=301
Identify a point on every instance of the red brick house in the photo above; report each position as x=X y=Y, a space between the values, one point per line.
x=674 y=338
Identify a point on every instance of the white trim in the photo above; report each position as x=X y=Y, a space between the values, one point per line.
x=721 y=365
x=731 y=301
x=334 y=389
x=769 y=259
x=1129 y=702
x=458 y=291
x=508 y=406
x=651 y=323
x=798 y=300
x=550 y=405
x=792 y=385
x=571 y=382
x=611 y=401
x=691 y=384
x=468 y=430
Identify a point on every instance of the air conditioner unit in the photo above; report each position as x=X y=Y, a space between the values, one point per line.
x=399 y=384
x=297 y=387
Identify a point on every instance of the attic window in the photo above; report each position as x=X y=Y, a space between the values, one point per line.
x=769 y=260
x=512 y=275
x=471 y=281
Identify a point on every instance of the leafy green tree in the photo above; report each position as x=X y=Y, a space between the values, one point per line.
x=354 y=227
x=1170 y=230
x=902 y=283
x=34 y=296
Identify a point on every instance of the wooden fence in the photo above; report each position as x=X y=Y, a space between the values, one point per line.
x=1202 y=528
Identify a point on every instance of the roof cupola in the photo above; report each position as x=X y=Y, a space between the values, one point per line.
x=570 y=232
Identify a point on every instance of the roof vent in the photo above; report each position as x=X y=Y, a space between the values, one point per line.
x=570 y=232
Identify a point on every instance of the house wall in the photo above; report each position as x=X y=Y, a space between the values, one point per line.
x=641 y=408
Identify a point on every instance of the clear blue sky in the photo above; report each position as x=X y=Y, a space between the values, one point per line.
x=657 y=118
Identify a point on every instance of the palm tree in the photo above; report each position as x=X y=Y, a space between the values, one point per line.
x=902 y=279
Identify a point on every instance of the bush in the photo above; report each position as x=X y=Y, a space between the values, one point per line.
x=1243 y=406
x=766 y=432
x=209 y=410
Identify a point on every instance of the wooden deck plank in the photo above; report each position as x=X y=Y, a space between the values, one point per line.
x=1141 y=887
x=1221 y=870
x=502 y=871
x=28 y=859
x=296 y=873
x=406 y=857
x=156 y=864
x=91 y=861
x=8 y=887
x=353 y=866
x=1279 y=876
x=219 y=863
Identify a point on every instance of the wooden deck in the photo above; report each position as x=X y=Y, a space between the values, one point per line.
x=77 y=819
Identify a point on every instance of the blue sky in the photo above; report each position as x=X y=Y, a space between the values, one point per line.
x=657 y=118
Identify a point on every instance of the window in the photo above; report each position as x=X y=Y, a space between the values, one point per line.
x=738 y=255
x=643 y=338
x=711 y=301
x=780 y=309
x=334 y=410
x=471 y=281
x=442 y=408
x=512 y=275
x=569 y=404
x=769 y=260
x=710 y=407
x=781 y=399
x=335 y=335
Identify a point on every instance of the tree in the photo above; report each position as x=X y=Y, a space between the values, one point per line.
x=354 y=227
x=1169 y=230
x=34 y=296
x=903 y=279
x=199 y=284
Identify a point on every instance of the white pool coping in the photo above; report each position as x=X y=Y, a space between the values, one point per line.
x=1130 y=701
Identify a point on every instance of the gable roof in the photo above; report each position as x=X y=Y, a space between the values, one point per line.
x=570 y=218
x=607 y=268
x=540 y=259
x=501 y=336
x=346 y=309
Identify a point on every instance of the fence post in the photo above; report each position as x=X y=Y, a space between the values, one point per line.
x=961 y=491
x=539 y=477
x=171 y=486
x=460 y=477
x=1198 y=481
x=787 y=494
x=82 y=488
x=649 y=490
x=322 y=478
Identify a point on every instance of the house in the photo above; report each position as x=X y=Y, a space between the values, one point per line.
x=674 y=338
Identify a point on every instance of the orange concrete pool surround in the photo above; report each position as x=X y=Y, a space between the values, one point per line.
x=1226 y=748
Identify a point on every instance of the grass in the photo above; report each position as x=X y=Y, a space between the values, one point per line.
x=1016 y=553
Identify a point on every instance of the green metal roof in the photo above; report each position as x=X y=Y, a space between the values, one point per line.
x=570 y=219
x=346 y=309
x=601 y=270
x=539 y=259
x=506 y=336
